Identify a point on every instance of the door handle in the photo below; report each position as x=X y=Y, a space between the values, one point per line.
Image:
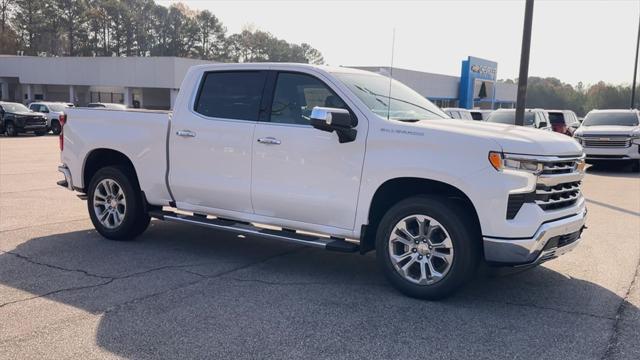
x=269 y=140
x=185 y=133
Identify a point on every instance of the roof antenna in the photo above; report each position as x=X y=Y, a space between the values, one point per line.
x=393 y=45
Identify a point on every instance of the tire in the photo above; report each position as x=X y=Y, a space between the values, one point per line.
x=127 y=218
x=10 y=129
x=447 y=220
x=56 y=129
x=635 y=167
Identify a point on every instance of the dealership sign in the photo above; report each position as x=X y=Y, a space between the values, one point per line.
x=477 y=81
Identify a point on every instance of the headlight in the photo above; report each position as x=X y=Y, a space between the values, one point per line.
x=501 y=162
x=578 y=139
x=636 y=140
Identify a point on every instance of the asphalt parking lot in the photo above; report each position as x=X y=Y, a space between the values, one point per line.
x=187 y=292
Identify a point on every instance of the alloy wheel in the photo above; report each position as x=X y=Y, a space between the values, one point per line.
x=109 y=203
x=421 y=249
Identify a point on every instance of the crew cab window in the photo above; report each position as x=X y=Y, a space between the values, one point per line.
x=231 y=95
x=296 y=95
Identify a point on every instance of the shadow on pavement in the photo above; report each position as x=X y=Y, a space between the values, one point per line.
x=181 y=292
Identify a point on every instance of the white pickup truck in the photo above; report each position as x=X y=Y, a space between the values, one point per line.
x=335 y=158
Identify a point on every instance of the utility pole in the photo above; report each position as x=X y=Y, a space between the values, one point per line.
x=524 y=63
x=635 y=69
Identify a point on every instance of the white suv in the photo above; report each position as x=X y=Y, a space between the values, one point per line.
x=610 y=135
x=53 y=111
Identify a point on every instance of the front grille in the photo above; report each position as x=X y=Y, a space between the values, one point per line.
x=607 y=142
x=34 y=120
x=559 y=167
x=558 y=196
x=558 y=187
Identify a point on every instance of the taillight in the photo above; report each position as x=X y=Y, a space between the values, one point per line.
x=63 y=119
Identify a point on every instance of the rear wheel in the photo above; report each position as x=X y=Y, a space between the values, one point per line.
x=115 y=204
x=427 y=247
x=10 y=129
x=56 y=128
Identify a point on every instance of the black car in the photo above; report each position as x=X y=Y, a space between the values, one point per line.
x=16 y=118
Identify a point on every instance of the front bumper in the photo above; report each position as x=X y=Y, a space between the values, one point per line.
x=551 y=240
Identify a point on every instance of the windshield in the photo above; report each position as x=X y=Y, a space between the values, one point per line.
x=57 y=107
x=404 y=104
x=509 y=117
x=15 y=108
x=611 y=118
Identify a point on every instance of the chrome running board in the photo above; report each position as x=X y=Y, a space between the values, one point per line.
x=291 y=236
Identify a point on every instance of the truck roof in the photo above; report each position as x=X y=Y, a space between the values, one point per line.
x=281 y=65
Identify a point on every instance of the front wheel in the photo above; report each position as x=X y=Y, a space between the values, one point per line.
x=115 y=204
x=10 y=129
x=427 y=247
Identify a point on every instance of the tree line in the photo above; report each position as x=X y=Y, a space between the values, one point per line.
x=135 y=28
x=551 y=93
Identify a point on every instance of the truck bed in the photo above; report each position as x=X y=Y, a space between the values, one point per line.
x=141 y=135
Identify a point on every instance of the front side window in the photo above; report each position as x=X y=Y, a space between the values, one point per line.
x=296 y=95
x=231 y=95
x=390 y=99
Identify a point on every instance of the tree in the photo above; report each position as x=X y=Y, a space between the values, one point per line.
x=28 y=20
x=312 y=55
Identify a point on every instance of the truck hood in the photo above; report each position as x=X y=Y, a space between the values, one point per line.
x=512 y=138
x=608 y=130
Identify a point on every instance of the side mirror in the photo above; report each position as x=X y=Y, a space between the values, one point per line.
x=543 y=124
x=333 y=119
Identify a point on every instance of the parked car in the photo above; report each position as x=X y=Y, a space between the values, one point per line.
x=563 y=121
x=611 y=135
x=284 y=150
x=16 y=118
x=534 y=118
x=458 y=113
x=53 y=111
x=480 y=115
x=111 y=106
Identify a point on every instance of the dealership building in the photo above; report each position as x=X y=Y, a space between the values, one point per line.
x=153 y=82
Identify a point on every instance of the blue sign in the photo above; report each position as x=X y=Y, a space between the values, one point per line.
x=478 y=76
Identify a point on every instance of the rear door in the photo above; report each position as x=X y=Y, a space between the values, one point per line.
x=300 y=173
x=211 y=142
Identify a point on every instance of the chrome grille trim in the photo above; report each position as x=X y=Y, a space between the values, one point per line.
x=611 y=141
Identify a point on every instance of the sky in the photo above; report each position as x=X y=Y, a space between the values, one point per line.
x=573 y=40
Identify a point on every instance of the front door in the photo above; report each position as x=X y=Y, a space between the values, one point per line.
x=211 y=143
x=300 y=173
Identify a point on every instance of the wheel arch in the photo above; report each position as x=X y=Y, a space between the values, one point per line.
x=103 y=157
x=397 y=189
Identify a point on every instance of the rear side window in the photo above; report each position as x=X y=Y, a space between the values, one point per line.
x=556 y=118
x=231 y=95
x=476 y=115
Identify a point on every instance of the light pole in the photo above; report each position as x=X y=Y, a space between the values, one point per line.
x=524 y=63
x=635 y=69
